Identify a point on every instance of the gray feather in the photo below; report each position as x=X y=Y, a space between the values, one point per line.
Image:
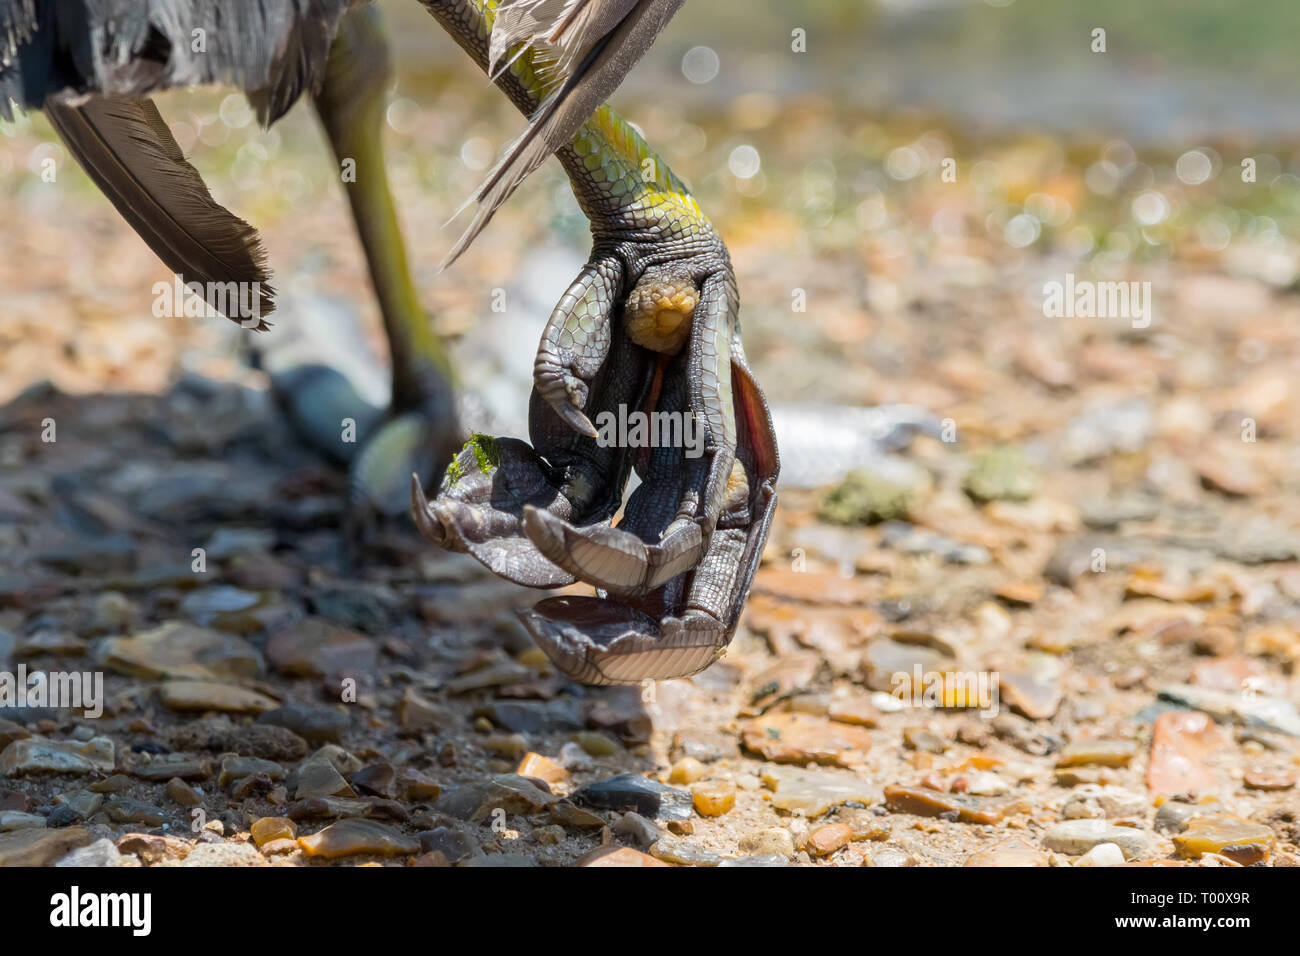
x=124 y=145
x=609 y=59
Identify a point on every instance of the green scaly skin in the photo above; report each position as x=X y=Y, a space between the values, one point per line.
x=680 y=562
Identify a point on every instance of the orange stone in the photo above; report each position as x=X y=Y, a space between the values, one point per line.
x=1180 y=744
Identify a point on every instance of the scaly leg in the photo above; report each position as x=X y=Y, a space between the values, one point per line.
x=654 y=313
x=419 y=431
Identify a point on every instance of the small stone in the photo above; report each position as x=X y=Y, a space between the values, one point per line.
x=417 y=712
x=887 y=857
x=182 y=793
x=224 y=855
x=1077 y=837
x=255 y=740
x=534 y=717
x=1238 y=839
x=566 y=814
x=17 y=820
x=1181 y=743
x=855 y=709
x=40 y=847
x=1173 y=816
x=320 y=778
x=687 y=770
x=631 y=792
x=931 y=803
x=549 y=836
x=1265 y=780
x=1103 y=854
x=453 y=845
x=49 y=642
x=353 y=837
x=618 y=856
x=802 y=739
x=597 y=744
x=638 y=828
x=151 y=848
x=187 y=769
x=415 y=787
x=181 y=651
x=1009 y=852
x=922 y=738
x=826 y=840
x=208 y=695
x=81 y=803
x=714 y=798
x=683 y=852
x=1105 y=753
x=38 y=755
x=237 y=768
x=267 y=829
x=1035 y=693
x=116 y=783
x=504 y=791
x=543 y=768
x=377 y=778
x=772 y=841
x=1001 y=474
x=813 y=792
x=100 y=853
x=279 y=847
x=125 y=810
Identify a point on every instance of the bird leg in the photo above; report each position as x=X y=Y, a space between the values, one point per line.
x=654 y=313
x=419 y=431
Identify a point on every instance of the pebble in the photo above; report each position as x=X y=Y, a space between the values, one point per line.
x=1077 y=837
x=81 y=803
x=37 y=755
x=182 y=793
x=40 y=847
x=1181 y=744
x=237 y=768
x=931 y=803
x=1238 y=839
x=641 y=831
x=803 y=738
x=534 y=717
x=186 y=695
x=181 y=651
x=1103 y=854
x=454 y=845
x=126 y=810
x=597 y=744
x=632 y=792
x=1267 y=713
x=1099 y=752
x=509 y=792
x=1009 y=852
x=770 y=841
x=687 y=770
x=672 y=849
x=1173 y=816
x=267 y=829
x=320 y=778
x=185 y=769
x=813 y=792
x=17 y=820
x=826 y=840
x=619 y=856
x=1266 y=780
x=353 y=837
x=379 y=779
x=1036 y=693
x=100 y=853
x=714 y=798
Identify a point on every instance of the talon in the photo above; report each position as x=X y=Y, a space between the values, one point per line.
x=612 y=559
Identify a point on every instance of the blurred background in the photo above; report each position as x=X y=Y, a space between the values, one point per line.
x=822 y=169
